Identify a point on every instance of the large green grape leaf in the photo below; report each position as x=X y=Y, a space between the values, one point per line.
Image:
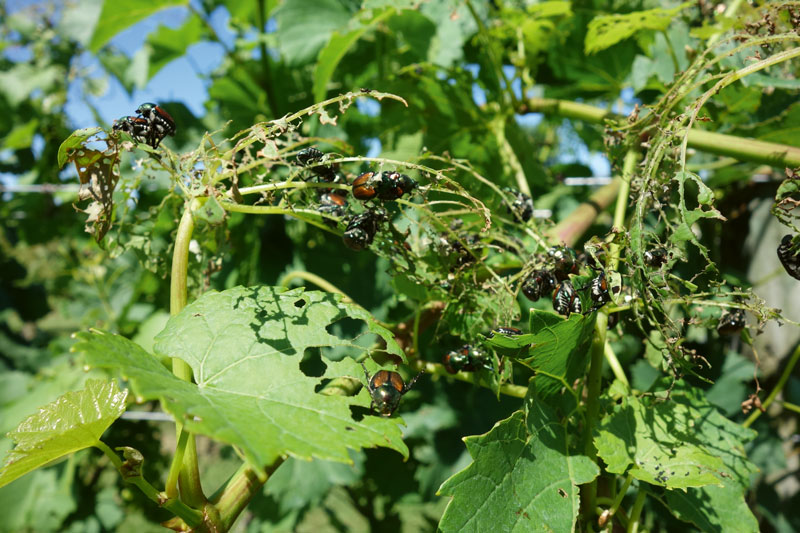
x=523 y=477
x=245 y=347
x=716 y=507
x=73 y=422
x=713 y=508
x=678 y=443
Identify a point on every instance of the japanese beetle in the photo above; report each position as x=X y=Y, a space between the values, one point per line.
x=565 y=261
x=790 y=260
x=388 y=185
x=655 y=257
x=333 y=204
x=386 y=388
x=467 y=359
x=313 y=156
x=362 y=229
x=504 y=330
x=732 y=322
x=522 y=206
x=566 y=299
x=137 y=127
x=364 y=186
x=538 y=284
x=393 y=185
x=309 y=155
x=599 y=290
x=161 y=123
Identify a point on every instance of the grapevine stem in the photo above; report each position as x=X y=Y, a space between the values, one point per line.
x=633 y=522
x=191 y=516
x=191 y=489
x=175 y=468
x=267 y=187
x=593 y=383
x=616 y=368
x=791 y=407
x=579 y=220
x=276 y=210
x=316 y=280
x=239 y=490
x=741 y=148
x=778 y=387
x=621 y=494
x=594 y=380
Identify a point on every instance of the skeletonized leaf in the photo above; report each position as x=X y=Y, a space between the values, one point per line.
x=607 y=30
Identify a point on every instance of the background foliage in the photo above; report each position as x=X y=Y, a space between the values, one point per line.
x=474 y=77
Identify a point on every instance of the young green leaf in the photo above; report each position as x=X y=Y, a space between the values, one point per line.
x=73 y=422
x=245 y=347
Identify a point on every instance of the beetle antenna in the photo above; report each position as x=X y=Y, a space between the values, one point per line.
x=366 y=373
x=411 y=383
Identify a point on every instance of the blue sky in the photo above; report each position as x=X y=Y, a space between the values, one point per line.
x=181 y=80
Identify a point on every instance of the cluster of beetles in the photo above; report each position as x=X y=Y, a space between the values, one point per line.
x=152 y=124
x=386 y=186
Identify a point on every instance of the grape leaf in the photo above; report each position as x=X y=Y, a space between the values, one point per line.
x=559 y=350
x=118 y=15
x=523 y=477
x=705 y=197
x=73 y=422
x=169 y=44
x=73 y=142
x=713 y=508
x=605 y=31
x=304 y=26
x=723 y=507
x=339 y=44
x=680 y=443
x=245 y=347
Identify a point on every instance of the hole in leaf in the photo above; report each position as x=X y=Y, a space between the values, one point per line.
x=312 y=365
x=346 y=327
x=358 y=412
x=322 y=384
x=300 y=303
